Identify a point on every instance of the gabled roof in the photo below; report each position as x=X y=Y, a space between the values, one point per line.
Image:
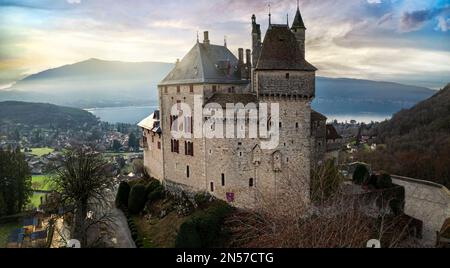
x=281 y=51
x=298 y=21
x=332 y=133
x=316 y=116
x=206 y=63
x=151 y=123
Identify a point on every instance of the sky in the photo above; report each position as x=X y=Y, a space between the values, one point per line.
x=406 y=41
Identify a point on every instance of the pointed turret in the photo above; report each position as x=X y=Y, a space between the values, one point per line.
x=299 y=30
x=256 y=40
x=298 y=21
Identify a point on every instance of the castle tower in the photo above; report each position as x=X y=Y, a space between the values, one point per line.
x=283 y=76
x=299 y=30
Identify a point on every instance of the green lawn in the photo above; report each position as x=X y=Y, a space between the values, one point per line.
x=124 y=154
x=35 y=200
x=5 y=231
x=41 y=151
x=41 y=182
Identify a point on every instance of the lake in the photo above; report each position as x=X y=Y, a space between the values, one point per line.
x=134 y=114
x=130 y=115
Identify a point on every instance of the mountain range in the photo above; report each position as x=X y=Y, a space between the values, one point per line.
x=99 y=83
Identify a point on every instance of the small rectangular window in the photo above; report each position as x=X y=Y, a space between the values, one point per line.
x=178 y=89
x=287 y=75
x=191 y=88
x=212 y=186
x=159 y=145
x=187 y=171
x=165 y=90
x=223 y=179
x=250 y=182
x=214 y=88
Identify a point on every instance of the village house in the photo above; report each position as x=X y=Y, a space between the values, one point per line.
x=239 y=170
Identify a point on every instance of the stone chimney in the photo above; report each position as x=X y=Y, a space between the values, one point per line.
x=248 y=62
x=241 y=56
x=206 y=38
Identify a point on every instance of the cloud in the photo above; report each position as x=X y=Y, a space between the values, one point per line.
x=344 y=37
x=415 y=20
x=443 y=24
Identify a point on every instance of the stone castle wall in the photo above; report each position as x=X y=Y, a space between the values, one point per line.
x=285 y=82
x=153 y=156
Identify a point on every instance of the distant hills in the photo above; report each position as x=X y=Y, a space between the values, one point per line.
x=353 y=96
x=41 y=115
x=92 y=83
x=98 y=83
x=426 y=125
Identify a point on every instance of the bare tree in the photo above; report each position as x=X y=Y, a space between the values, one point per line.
x=332 y=218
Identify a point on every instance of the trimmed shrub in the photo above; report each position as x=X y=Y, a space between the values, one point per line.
x=384 y=181
x=137 y=199
x=201 y=198
x=156 y=194
x=123 y=194
x=205 y=229
x=372 y=180
x=187 y=236
x=151 y=186
x=361 y=174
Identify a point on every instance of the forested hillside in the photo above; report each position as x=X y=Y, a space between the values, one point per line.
x=417 y=141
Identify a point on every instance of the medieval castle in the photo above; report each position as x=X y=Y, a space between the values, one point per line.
x=238 y=170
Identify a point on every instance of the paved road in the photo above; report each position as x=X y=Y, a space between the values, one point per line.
x=122 y=236
x=121 y=233
x=427 y=202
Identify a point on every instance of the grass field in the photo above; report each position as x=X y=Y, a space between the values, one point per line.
x=5 y=230
x=41 y=151
x=35 y=200
x=40 y=182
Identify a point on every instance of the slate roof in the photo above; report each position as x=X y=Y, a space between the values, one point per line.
x=151 y=123
x=224 y=98
x=206 y=64
x=316 y=116
x=280 y=51
x=298 y=21
x=332 y=133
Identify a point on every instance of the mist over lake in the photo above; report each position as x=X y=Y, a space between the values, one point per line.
x=129 y=115
x=134 y=114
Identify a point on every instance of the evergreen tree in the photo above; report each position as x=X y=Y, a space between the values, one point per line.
x=15 y=182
